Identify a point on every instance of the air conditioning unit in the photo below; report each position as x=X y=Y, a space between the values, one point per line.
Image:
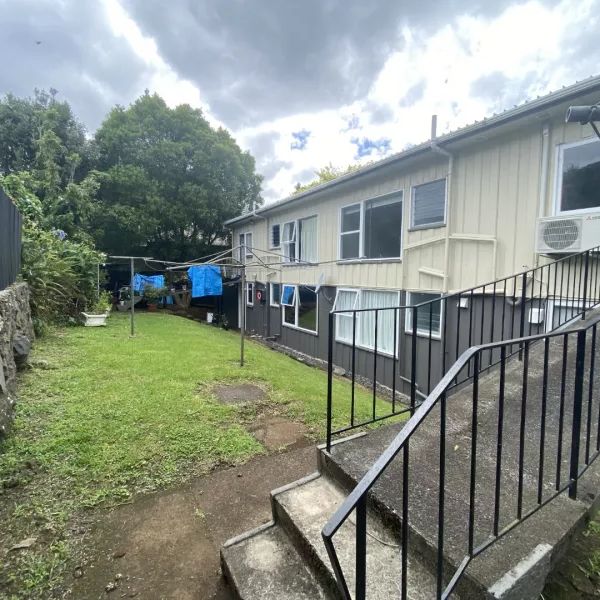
x=564 y=235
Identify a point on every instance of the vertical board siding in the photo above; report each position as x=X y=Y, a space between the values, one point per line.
x=10 y=241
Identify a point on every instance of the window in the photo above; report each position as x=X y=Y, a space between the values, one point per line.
x=383 y=228
x=578 y=176
x=300 y=307
x=350 y=232
x=308 y=239
x=275 y=294
x=372 y=229
x=365 y=321
x=289 y=242
x=275 y=236
x=245 y=251
x=344 y=322
x=431 y=313
x=249 y=293
x=429 y=204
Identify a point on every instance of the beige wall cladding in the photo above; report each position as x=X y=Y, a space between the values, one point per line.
x=496 y=192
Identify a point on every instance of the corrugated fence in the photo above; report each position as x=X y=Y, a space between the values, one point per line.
x=10 y=241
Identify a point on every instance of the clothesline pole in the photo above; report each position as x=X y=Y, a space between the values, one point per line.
x=243 y=311
x=132 y=298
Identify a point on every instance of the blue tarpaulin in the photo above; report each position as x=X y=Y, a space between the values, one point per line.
x=141 y=281
x=206 y=280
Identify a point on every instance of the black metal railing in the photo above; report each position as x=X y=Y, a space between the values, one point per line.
x=408 y=366
x=10 y=241
x=529 y=432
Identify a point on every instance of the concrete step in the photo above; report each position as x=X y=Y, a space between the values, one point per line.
x=303 y=509
x=263 y=564
x=551 y=527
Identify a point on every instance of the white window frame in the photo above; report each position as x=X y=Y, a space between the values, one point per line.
x=296 y=307
x=244 y=254
x=560 y=149
x=359 y=230
x=358 y=304
x=345 y=316
x=271 y=226
x=362 y=230
x=250 y=286
x=285 y=245
x=274 y=304
x=296 y=241
x=442 y=223
x=408 y=326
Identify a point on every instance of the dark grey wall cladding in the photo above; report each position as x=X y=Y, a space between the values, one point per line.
x=482 y=321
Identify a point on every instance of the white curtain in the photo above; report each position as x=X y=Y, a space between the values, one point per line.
x=308 y=239
x=345 y=300
x=385 y=320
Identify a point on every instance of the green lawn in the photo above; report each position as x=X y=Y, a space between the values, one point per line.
x=102 y=416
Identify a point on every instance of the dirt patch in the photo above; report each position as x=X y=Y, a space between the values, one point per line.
x=241 y=393
x=166 y=545
x=277 y=433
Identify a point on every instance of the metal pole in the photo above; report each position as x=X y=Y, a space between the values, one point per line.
x=243 y=313
x=98 y=284
x=132 y=294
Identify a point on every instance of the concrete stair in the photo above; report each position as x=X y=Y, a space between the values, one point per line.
x=287 y=558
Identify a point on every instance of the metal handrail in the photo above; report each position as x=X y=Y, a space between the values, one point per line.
x=574 y=278
x=357 y=499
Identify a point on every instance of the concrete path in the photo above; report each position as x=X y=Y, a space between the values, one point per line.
x=166 y=545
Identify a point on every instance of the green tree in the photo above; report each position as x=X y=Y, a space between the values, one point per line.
x=325 y=174
x=169 y=181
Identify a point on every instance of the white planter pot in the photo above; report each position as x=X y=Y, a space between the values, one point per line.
x=95 y=320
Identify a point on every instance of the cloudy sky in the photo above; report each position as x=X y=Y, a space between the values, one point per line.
x=302 y=83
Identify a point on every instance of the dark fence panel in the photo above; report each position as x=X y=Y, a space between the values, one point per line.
x=10 y=241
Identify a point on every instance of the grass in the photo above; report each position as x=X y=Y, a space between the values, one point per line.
x=102 y=417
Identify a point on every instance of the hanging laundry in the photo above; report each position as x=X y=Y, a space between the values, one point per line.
x=141 y=281
x=206 y=280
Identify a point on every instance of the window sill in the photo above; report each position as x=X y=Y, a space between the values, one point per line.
x=425 y=227
x=425 y=335
x=296 y=328
x=298 y=263
x=367 y=261
x=366 y=348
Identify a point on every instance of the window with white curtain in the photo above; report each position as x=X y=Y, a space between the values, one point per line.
x=347 y=299
x=289 y=242
x=245 y=251
x=344 y=322
x=350 y=232
x=428 y=204
x=429 y=314
x=308 y=239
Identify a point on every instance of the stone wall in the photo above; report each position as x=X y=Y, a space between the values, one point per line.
x=16 y=336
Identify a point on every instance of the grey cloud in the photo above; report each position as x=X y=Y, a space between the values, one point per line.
x=262 y=60
x=414 y=94
x=270 y=167
x=77 y=55
x=379 y=113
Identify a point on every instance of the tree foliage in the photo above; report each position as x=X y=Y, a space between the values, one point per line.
x=168 y=181
x=325 y=174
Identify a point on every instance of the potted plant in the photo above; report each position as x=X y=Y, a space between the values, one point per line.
x=99 y=311
x=153 y=296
